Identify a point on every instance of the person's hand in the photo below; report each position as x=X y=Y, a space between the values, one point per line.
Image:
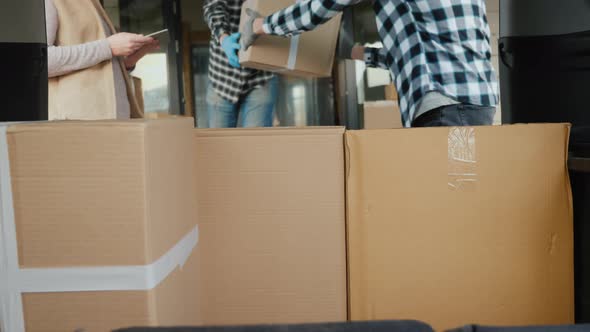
x=230 y=45
x=252 y=28
x=132 y=59
x=125 y=44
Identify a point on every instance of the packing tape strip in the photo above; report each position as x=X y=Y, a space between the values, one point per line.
x=292 y=62
x=462 y=165
x=14 y=281
x=293 y=49
x=11 y=306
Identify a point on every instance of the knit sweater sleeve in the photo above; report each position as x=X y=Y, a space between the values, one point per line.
x=63 y=60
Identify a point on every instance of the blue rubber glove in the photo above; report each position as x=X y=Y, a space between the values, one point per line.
x=231 y=45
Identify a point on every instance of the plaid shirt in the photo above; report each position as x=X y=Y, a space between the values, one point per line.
x=223 y=17
x=428 y=45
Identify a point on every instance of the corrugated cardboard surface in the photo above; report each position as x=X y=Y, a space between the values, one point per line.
x=316 y=49
x=382 y=115
x=104 y=194
x=272 y=225
x=391 y=92
x=497 y=251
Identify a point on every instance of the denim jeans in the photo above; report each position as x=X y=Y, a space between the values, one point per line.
x=256 y=109
x=456 y=115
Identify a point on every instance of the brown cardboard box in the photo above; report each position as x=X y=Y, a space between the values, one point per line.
x=106 y=195
x=391 y=92
x=458 y=226
x=272 y=224
x=382 y=115
x=315 y=49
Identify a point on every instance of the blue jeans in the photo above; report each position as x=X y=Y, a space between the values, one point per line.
x=256 y=109
x=456 y=116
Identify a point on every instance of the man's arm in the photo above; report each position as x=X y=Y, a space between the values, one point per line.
x=217 y=17
x=300 y=17
x=303 y=16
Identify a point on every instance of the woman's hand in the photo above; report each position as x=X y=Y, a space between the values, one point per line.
x=131 y=60
x=126 y=44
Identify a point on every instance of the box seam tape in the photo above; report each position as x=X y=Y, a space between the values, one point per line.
x=15 y=281
x=294 y=47
x=462 y=161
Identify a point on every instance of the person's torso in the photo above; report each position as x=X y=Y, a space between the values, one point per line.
x=91 y=93
x=438 y=45
x=232 y=83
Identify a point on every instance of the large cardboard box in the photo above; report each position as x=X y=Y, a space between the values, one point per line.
x=104 y=228
x=383 y=114
x=272 y=223
x=310 y=54
x=454 y=226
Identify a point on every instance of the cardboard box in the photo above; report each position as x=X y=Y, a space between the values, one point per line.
x=104 y=211
x=454 y=226
x=310 y=54
x=382 y=115
x=272 y=223
x=391 y=92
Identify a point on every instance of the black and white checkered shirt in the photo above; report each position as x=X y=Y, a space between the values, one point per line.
x=428 y=45
x=223 y=17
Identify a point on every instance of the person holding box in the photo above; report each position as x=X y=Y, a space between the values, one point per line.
x=234 y=92
x=438 y=52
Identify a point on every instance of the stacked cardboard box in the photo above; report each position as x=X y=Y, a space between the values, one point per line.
x=448 y=225
x=391 y=92
x=382 y=115
x=454 y=226
x=271 y=217
x=102 y=220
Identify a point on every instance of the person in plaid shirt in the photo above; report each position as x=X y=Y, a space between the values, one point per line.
x=234 y=93
x=438 y=52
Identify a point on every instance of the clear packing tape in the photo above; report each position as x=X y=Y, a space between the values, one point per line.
x=14 y=281
x=462 y=173
x=293 y=50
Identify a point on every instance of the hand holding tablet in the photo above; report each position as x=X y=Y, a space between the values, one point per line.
x=158 y=34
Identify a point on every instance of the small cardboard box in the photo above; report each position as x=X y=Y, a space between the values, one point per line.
x=310 y=54
x=383 y=114
x=391 y=92
x=103 y=232
x=456 y=226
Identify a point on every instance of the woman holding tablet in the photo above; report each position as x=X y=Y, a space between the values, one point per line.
x=88 y=63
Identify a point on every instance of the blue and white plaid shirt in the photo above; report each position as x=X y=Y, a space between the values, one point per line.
x=428 y=46
x=223 y=17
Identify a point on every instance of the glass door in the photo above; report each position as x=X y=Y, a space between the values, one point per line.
x=160 y=70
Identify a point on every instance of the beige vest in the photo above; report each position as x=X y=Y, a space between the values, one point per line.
x=88 y=94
